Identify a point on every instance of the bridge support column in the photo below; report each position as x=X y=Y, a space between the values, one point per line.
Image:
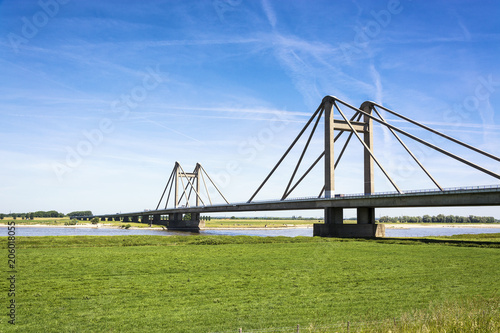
x=366 y=215
x=110 y=219
x=156 y=219
x=334 y=225
x=126 y=219
x=135 y=218
x=176 y=222
x=145 y=219
x=117 y=218
x=334 y=215
x=103 y=219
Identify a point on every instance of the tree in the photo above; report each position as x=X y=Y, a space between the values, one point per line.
x=95 y=220
x=80 y=213
x=32 y=216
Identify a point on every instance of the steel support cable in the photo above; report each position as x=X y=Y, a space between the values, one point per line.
x=305 y=173
x=192 y=186
x=187 y=196
x=320 y=107
x=169 y=178
x=205 y=184
x=477 y=150
x=458 y=158
x=291 y=146
x=322 y=190
x=208 y=176
x=407 y=149
x=321 y=156
x=177 y=203
x=302 y=155
x=367 y=148
x=168 y=196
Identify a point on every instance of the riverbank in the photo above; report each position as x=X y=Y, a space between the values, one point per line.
x=246 y=227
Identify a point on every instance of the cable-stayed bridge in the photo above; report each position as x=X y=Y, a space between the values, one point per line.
x=187 y=192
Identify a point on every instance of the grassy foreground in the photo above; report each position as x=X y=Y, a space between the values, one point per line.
x=222 y=283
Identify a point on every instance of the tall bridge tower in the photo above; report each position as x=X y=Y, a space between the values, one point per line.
x=334 y=216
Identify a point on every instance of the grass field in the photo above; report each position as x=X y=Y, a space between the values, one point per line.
x=222 y=283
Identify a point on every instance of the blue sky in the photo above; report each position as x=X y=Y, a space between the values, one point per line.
x=100 y=98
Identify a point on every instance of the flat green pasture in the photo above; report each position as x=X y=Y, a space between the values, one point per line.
x=222 y=283
x=37 y=220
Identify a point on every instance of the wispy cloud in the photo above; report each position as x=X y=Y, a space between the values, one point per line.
x=270 y=14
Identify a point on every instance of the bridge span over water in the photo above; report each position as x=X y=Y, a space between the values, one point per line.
x=452 y=197
x=185 y=187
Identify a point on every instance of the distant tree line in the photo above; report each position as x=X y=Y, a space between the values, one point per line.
x=32 y=215
x=80 y=213
x=41 y=213
x=441 y=218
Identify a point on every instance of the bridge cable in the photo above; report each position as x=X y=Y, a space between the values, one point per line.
x=200 y=172
x=407 y=149
x=168 y=197
x=321 y=156
x=302 y=155
x=320 y=107
x=447 y=153
x=171 y=174
x=477 y=150
x=208 y=176
x=367 y=148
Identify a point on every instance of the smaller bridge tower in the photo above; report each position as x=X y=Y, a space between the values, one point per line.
x=184 y=184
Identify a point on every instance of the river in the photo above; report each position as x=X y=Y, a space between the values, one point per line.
x=400 y=231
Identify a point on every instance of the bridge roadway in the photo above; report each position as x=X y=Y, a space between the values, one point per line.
x=471 y=196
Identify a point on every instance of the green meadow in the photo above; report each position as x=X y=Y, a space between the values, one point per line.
x=223 y=283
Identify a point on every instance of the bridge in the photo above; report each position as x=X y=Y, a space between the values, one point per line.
x=181 y=185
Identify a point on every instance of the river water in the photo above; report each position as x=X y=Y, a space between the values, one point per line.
x=291 y=232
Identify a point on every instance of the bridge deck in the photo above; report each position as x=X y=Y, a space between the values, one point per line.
x=472 y=196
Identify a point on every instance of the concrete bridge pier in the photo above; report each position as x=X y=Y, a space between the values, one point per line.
x=176 y=222
x=156 y=219
x=334 y=224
